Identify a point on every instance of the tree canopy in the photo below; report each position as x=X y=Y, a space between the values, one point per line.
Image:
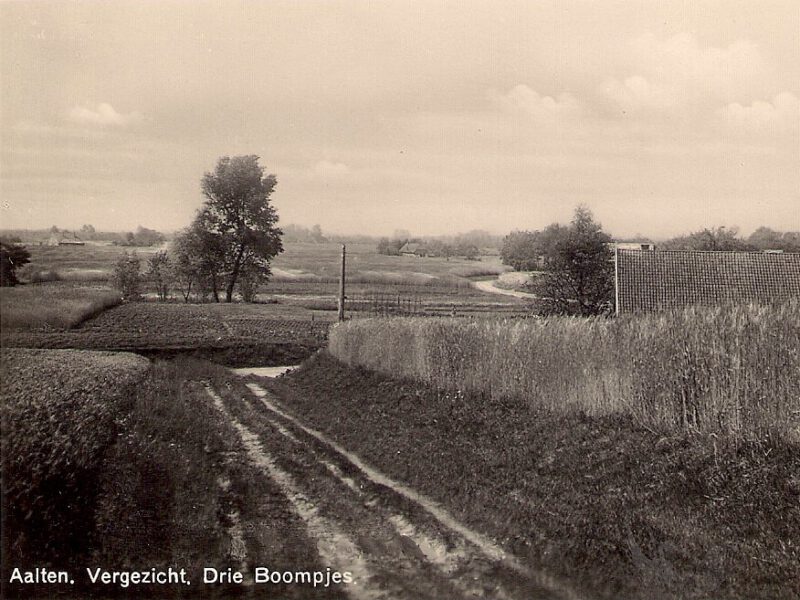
x=235 y=232
x=12 y=256
x=579 y=275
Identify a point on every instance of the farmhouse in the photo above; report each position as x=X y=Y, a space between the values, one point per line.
x=663 y=280
x=414 y=249
x=65 y=238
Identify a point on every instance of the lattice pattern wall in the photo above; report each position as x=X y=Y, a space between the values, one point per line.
x=650 y=281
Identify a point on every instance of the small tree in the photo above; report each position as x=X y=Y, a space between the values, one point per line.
x=579 y=277
x=127 y=276
x=159 y=272
x=12 y=256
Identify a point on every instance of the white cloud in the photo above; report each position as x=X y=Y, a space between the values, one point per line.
x=636 y=93
x=326 y=168
x=680 y=62
x=104 y=115
x=673 y=74
x=541 y=108
x=778 y=116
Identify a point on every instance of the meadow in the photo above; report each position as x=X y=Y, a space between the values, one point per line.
x=730 y=371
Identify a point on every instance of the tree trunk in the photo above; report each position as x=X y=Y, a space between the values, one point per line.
x=234 y=274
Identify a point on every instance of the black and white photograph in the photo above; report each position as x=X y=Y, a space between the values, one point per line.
x=400 y=299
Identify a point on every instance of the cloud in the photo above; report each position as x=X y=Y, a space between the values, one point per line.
x=327 y=169
x=522 y=99
x=673 y=74
x=778 y=116
x=103 y=116
x=636 y=93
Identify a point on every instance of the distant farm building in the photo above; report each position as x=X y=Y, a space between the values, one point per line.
x=413 y=249
x=662 y=280
x=65 y=238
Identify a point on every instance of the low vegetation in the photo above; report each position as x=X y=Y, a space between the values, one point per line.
x=60 y=410
x=52 y=306
x=727 y=371
x=620 y=510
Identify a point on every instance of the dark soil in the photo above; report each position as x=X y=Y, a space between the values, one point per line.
x=620 y=511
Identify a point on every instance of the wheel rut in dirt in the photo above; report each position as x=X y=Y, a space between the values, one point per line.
x=396 y=542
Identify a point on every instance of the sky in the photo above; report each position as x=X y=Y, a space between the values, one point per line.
x=663 y=117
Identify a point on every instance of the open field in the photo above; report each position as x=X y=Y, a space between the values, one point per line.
x=727 y=371
x=233 y=334
x=92 y=262
x=616 y=509
x=53 y=306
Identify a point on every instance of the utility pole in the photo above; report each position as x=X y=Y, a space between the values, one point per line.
x=341 y=287
x=616 y=278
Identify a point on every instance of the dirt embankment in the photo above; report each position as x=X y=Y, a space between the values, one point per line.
x=617 y=510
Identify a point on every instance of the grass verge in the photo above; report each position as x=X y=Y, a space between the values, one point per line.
x=620 y=510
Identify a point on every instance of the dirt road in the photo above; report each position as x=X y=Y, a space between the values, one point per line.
x=394 y=542
x=488 y=286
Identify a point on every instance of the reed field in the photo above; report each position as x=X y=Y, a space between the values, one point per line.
x=730 y=371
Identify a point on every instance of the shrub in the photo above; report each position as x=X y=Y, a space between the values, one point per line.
x=127 y=277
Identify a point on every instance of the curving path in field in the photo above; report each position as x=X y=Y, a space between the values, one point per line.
x=396 y=542
x=489 y=286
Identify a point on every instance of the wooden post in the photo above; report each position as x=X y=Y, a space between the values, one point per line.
x=616 y=278
x=341 y=287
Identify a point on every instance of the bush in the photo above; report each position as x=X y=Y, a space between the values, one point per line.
x=127 y=277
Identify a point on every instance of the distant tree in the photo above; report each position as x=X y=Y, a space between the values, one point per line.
x=160 y=273
x=579 y=277
x=127 y=276
x=713 y=239
x=54 y=229
x=390 y=247
x=520 y=250
x=13 y=255
x=87 y=232
x=765 y=238
x=468 y=251
x=316 y=235
x=238 y=220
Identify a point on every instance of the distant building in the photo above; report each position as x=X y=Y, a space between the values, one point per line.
x=663 y=280
x=413 y=249
x=65 y=238
x=631 y=246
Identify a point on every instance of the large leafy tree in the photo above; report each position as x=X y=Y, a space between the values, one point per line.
x=236 y=228
x=579 y=277
x=12 y=256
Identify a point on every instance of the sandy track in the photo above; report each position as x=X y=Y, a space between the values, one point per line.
x=489 y=286
x=396 y=542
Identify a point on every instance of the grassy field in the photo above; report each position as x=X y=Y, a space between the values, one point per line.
x=731 y=372
x=52 y=306
x=620 y=510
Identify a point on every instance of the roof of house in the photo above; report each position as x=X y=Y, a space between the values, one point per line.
x=662 y=280
x=411 y=247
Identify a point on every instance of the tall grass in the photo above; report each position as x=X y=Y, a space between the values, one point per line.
x=730 y=371
x=54 y=306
